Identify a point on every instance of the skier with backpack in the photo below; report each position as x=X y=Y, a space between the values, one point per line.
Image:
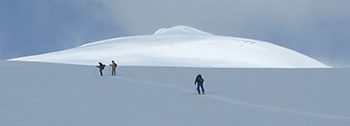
x=101 y=67
x=114 y=66
x=199 y=81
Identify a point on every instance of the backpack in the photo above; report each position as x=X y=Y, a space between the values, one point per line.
x=103 y=66
x=114 y=65
x=200 y=80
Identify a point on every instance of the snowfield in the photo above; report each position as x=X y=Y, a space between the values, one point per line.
x=155 y=84
x=182 y=46
x=43 y=94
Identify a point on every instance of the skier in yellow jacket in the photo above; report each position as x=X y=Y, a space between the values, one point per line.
x=114 y=66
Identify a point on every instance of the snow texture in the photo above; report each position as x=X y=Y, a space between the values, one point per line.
x=42 y=94
x=182 y=46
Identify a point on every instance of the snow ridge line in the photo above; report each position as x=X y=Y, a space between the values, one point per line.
x=328 y=116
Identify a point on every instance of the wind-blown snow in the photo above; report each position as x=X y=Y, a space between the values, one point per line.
x=41 y=94
x=184 y=47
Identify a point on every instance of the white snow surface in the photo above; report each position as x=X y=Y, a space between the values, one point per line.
x=43 y=94
x=181 y=46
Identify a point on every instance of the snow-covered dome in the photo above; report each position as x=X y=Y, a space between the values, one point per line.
x=180 y=30
x=182 y=46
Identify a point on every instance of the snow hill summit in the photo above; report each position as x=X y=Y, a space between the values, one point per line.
x=181 y=46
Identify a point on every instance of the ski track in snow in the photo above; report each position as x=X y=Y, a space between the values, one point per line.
x=246 y=104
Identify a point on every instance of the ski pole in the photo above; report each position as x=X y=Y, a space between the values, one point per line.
x=94 y=72
x=109 y=70
x=195 y=88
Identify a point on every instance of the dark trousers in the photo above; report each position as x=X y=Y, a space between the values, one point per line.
x=101 y=72
x=113 y=72
x=200 y=85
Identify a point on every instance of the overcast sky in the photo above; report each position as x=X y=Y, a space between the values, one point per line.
x=317 y=28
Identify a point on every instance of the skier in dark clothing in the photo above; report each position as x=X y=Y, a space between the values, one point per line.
x=101 y=67
x=199 y=80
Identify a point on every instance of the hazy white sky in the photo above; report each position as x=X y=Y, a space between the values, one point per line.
x=317 y=28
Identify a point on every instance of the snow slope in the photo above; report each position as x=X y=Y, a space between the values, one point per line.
x=42 y=94
x=182 y=46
